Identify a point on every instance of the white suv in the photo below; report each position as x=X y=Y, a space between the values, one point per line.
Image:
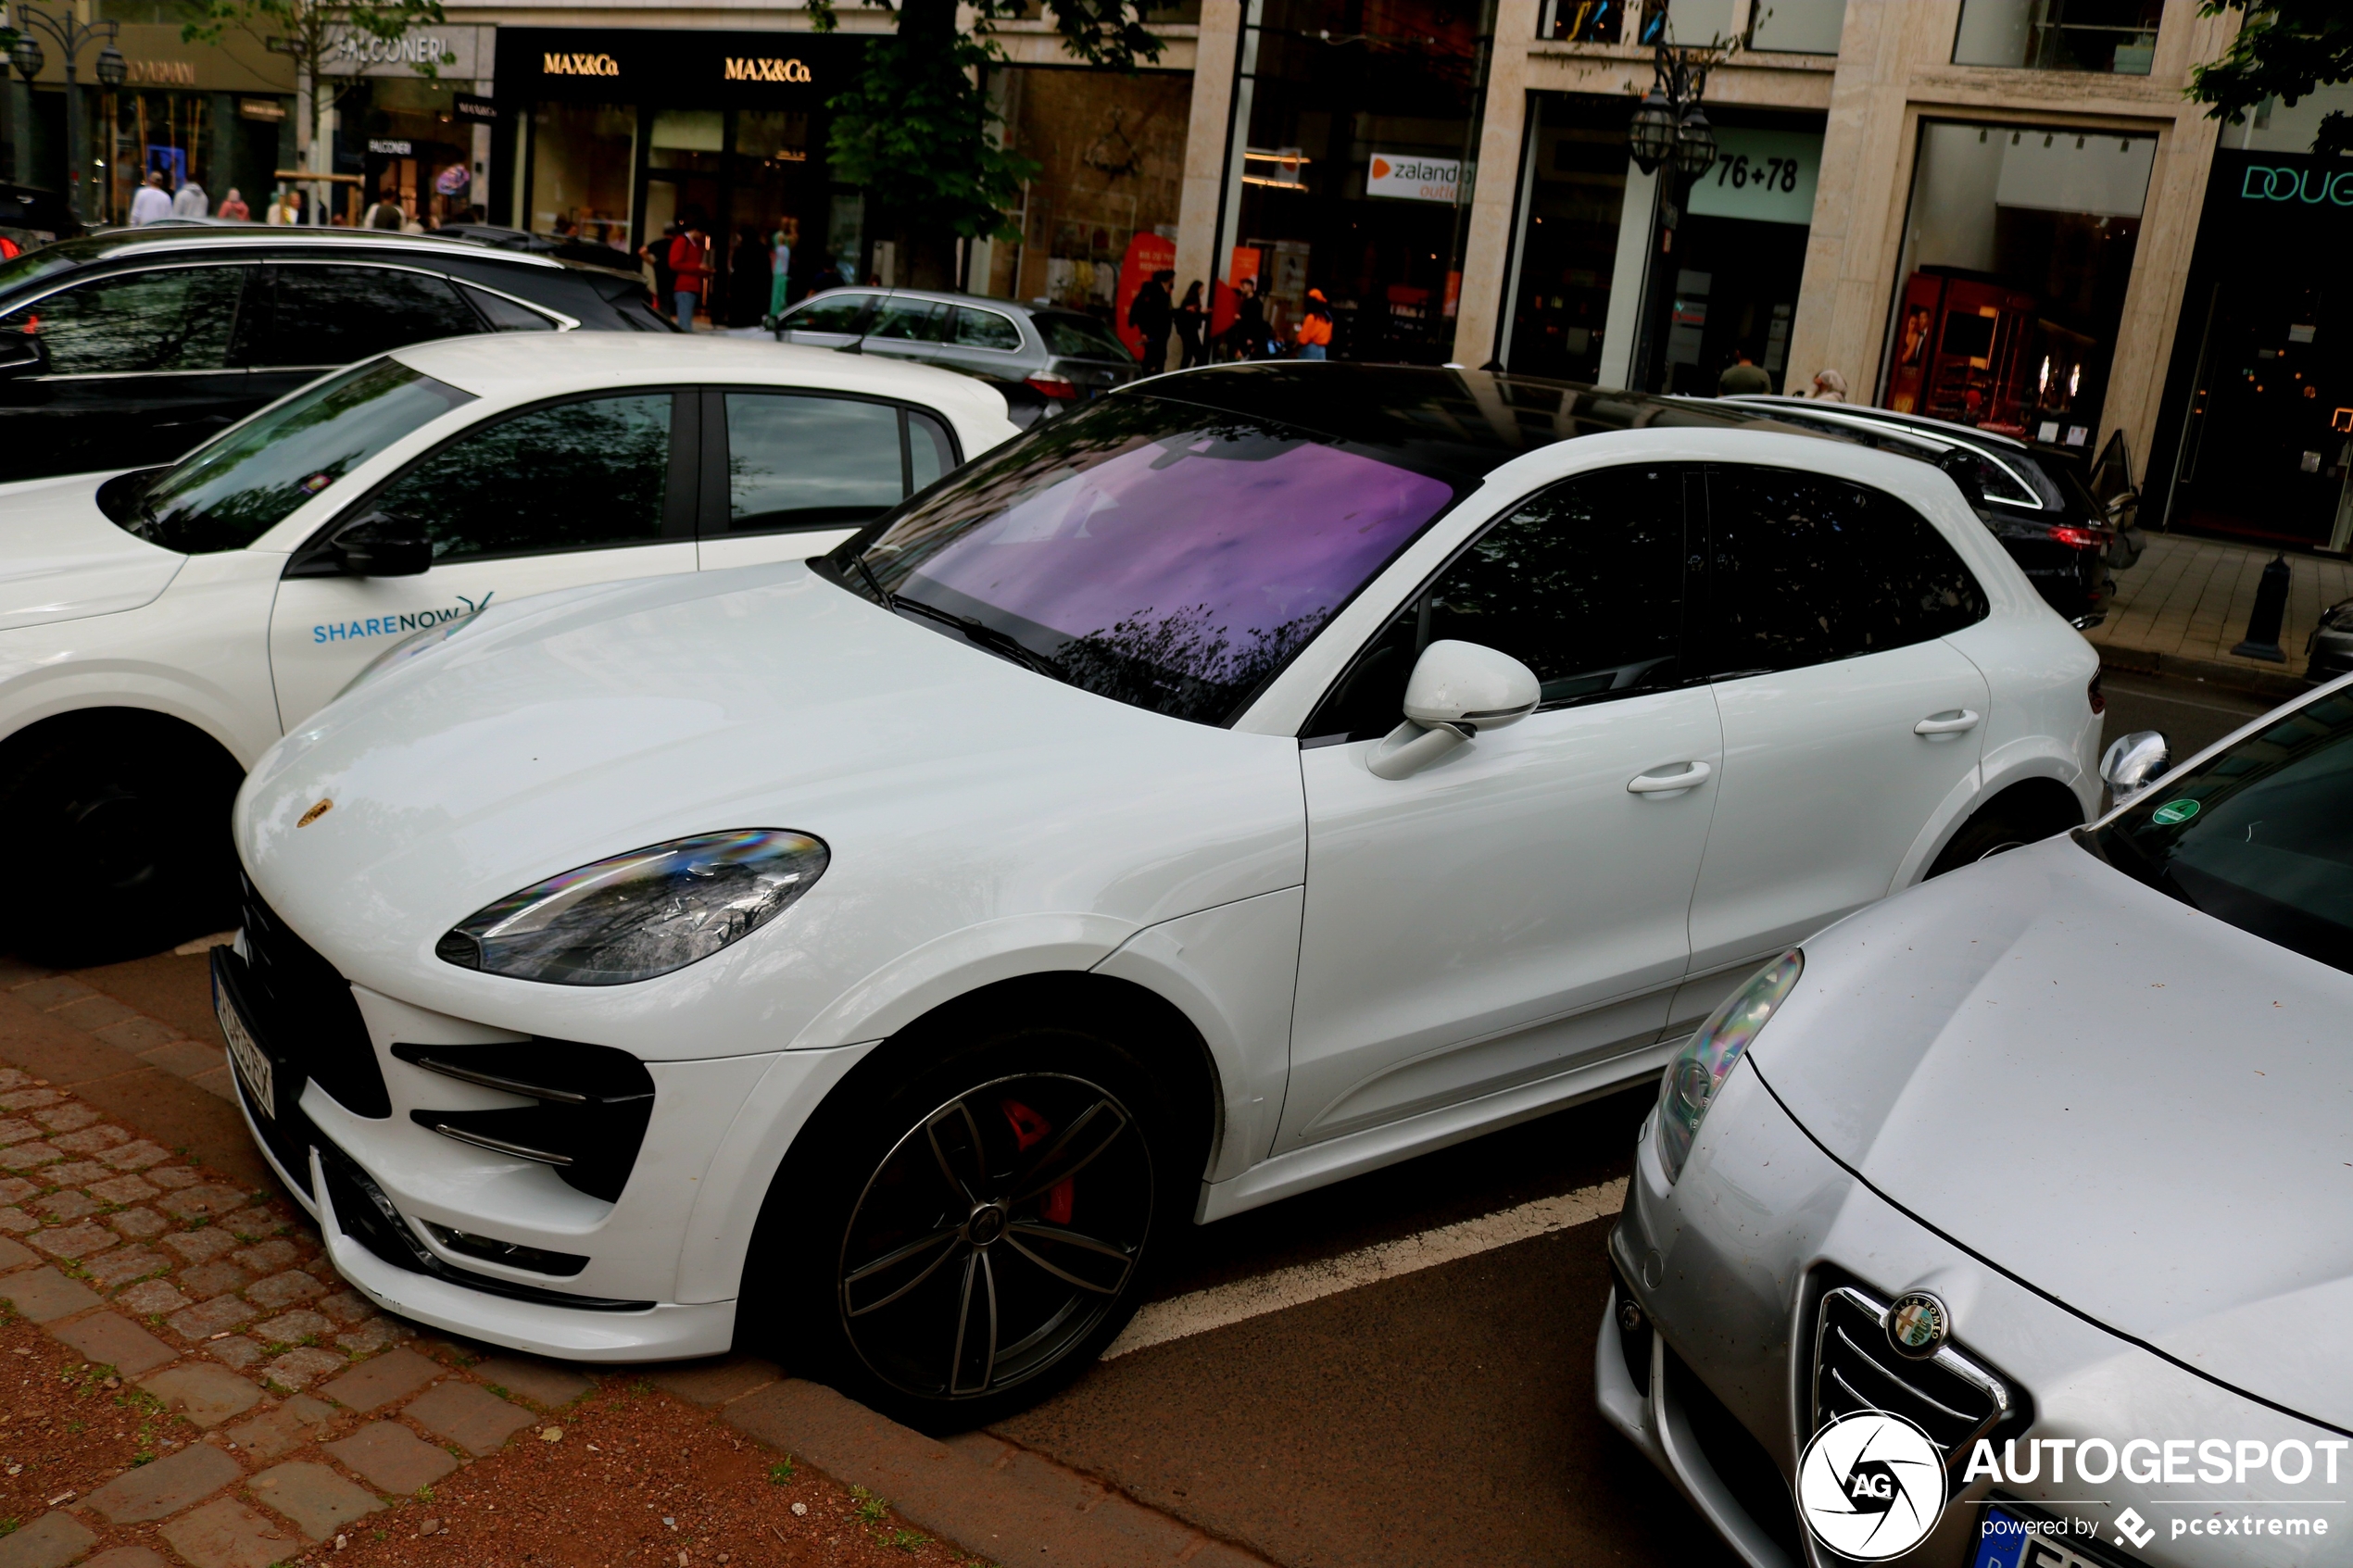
x=1261 y=775
x=160 y=627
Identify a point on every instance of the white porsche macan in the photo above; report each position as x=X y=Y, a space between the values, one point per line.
x=1259 y=776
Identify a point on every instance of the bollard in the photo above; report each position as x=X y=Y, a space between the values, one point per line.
x=2271 y=606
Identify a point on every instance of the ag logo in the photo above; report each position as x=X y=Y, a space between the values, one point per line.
x=1870 y=1485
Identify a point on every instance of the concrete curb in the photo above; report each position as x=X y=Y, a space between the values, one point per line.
x=2273 y=686
x=986 y=1495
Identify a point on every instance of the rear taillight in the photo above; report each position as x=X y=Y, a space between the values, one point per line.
x=2079 y=538
x=1053 y=386
x=2099 y=697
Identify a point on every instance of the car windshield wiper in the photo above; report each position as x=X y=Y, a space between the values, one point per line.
x=979 y=632
x=890 y=600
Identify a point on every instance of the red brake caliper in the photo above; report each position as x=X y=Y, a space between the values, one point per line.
x=1030 y=1128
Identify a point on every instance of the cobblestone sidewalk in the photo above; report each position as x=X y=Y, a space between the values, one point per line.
x=309 y=1413
x=2184 y=605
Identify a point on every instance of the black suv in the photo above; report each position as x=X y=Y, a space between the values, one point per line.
x=2033 y=501
x=127 y=347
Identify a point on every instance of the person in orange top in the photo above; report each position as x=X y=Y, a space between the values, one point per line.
x=690 y=268
x=1314 y=328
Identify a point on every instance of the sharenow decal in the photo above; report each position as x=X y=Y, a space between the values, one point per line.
x=395 y=625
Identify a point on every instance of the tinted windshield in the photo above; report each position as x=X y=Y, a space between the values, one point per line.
x=227 y=494
x=1161 y=554
x=1082 y=337
x=2261 y=837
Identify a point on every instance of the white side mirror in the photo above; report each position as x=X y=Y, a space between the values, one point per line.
x=2132 y=762
x=1457 y=689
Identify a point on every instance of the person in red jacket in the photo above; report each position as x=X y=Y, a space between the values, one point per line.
x=689 y=266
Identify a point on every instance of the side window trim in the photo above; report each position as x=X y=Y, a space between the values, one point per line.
x=712 y=513
x=240 y=345
x=251 y=274
x=313 y=557
x=1417 y=602
x=563 y=323
x=982 y=348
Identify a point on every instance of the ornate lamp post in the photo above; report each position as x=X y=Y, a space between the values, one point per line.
x=71 y=37
x=1669 y=131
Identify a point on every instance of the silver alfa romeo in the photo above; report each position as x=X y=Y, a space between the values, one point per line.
x=2050 y=1161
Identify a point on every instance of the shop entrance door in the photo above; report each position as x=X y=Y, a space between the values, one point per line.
x=2267 y=449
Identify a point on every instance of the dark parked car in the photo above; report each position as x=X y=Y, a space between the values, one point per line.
x=2329 y=650
x=126 y=348
x=2061 y=538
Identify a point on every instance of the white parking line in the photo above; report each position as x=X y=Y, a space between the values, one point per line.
x=1198 y=1311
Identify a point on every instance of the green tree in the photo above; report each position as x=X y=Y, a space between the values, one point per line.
x=2283 y=50
x=914 y=127
x=313 y=35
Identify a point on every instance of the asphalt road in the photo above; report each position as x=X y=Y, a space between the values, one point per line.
x=1443 y=1417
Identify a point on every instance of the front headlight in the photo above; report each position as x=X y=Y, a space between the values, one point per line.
x=1708 y=1058
x=640 y=914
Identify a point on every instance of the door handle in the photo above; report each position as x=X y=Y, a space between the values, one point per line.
x=1952 y=722
x=1692 y=776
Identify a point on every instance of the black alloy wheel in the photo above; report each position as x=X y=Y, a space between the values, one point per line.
x=964 y=1227
x=997 y=1235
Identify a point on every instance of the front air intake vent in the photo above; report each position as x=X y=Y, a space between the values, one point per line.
x=1951 y=1396
x=306 y=1010
x=593 y=1104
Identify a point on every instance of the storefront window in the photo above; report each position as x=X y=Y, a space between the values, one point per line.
x=1104 y=203
x=2260 y=411
x=1740 y=249
x=1574 y=203
x=2017 y=253
x=1356 y=135
x=418 y=159
x=2105 y=35
x=581 y=159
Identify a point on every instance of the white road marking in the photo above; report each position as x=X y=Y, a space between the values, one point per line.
x=1200 y=1311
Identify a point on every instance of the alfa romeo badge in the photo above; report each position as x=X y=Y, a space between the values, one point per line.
x=1917 y=1325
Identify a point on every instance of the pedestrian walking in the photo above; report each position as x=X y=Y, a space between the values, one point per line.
x=829 y=276
x=286 y=212
x=1743 y=377
x=690 y=270
x=383 y=213
x=1829 y=387
x=151 y=203
x=1189 y=319
x=1315 y=331
x=1151 y=313
x=1246 y=339
x=656 y=255
x=233 y=208
x=409 y=220
x=190 y=201
x=780 y=267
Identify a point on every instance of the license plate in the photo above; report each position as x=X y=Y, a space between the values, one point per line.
x=252 y=1063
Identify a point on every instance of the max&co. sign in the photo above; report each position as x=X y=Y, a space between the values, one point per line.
x=2311 y=186
x=579 y=65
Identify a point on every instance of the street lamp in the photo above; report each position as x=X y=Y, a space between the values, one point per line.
x=71 y=37
x=1669 y=131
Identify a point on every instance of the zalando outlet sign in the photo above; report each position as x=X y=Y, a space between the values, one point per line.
x=1411 y=178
